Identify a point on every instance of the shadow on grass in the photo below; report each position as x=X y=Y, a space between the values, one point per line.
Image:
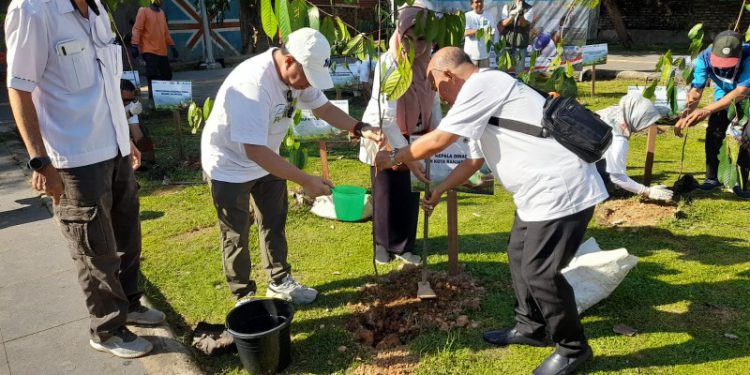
x=711 y=309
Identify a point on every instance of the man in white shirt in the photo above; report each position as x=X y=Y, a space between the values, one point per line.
x=555 y=193
x=240 y=155
x=64 y=88
x=476 y=45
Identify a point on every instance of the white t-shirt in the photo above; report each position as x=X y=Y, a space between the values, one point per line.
x=528 y=15
x=475 y=47
x=547 y=180
x=250 y=108
x=72 y=69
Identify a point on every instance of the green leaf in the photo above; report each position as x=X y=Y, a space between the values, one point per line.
x=747 y=7
x=297 y=116
x=328 y=30
x=696 y=46
x=732 y=111
x=208 y=105
x=343 y=32
x=433 y=27
x=727 y=172
x=650 y=91
x=297 y=14
x=441 y=25
x=285 y=22
x=687 y=74
x=747 y=33
x=356 y=47
x=191 y=113
x=672 y=95
x=268 y=18
x=666 y=66
x=313 y=17
x=289 y=141
x=569 y=71
x=480 y=34
x=505 y=62
x=398 y=81
x=696 y=31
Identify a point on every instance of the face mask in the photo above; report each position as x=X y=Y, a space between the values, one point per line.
x=726 y=75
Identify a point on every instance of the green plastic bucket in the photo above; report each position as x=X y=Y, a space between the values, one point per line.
x=349 y=202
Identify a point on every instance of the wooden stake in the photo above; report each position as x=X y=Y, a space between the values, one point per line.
x=324 y=159
x=178 y=134
x=452 y=233
x=650 y=147
x=593 y=79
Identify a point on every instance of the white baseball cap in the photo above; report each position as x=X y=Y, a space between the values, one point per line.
x=311 y=49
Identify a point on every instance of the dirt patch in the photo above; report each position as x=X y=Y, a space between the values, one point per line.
x=632 y=213
x=390 y=314
x=396 y=361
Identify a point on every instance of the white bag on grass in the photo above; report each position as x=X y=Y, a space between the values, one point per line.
x=323 y=207
x=594 y=274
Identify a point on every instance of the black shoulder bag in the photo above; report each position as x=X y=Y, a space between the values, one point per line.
x=570 y=123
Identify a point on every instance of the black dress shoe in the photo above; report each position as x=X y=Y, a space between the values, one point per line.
x=557 y=364
x=507 y=336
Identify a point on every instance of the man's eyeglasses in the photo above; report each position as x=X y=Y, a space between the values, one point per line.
x=291 y=104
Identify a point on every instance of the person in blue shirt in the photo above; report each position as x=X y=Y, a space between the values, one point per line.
x=727 y=64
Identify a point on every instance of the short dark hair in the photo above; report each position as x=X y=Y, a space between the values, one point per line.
x=126 y=85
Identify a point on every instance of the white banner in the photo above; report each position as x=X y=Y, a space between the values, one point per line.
x=172 y=94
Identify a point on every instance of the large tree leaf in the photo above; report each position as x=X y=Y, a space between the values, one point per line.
x=328 y=30
x=208 y=106
x=672 y=95
x=666 y=66
x=650 y=91
x=727 y=172
x=399 y=80
x=285 y=23
x=342 y=31
x=268 y=18
x=297 y=14
x=356 y=47
x=313 y=17
x=696 y=31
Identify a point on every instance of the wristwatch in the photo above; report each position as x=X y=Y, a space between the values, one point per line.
x=38 y=163
x=393 y=158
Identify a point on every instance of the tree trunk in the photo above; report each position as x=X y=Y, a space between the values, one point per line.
x=251 y=28
x=613 y=11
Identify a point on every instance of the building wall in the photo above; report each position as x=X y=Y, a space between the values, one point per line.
x=674 y=18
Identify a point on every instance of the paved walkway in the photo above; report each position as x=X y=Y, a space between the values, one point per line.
x=44 y=323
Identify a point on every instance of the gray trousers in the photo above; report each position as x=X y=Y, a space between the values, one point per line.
x=537 y=252
x=238 y=205
x=98 y=213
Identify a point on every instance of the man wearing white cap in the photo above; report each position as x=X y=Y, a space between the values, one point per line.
x=240 y=155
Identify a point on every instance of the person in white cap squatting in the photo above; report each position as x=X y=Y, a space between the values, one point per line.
x=240 y=155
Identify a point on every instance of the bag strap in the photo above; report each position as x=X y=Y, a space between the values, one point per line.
x=519 y=126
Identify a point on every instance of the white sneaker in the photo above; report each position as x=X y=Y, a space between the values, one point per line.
x=145 y=315
x=124 y=344
x=382 y=256
x=291 y=290
x=410 y=258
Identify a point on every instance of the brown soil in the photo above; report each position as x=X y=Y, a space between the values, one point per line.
x=397 y=361
x=389 y=314
x=632 y=213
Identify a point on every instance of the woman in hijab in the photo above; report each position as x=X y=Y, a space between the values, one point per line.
x=396 y=208
x=634 y=114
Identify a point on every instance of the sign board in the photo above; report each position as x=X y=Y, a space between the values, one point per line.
x=311 y=127
x=661 y=96
x=172 y=94
x=132 y=76
x=442 y=164
x=595 y=54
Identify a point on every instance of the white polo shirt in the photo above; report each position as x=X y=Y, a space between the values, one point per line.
x=546 y=179
x=72 y=69
x=250 y=108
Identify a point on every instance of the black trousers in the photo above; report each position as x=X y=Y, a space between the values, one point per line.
x=715 y=133
x=395 y=210
x=157 y=68
x=537 y=251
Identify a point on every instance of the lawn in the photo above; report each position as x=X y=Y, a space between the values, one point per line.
x=690 y=288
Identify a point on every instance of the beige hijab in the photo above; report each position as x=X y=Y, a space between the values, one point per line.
x=419 y=98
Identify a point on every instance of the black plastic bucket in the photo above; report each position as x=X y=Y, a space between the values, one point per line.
x=261 y=332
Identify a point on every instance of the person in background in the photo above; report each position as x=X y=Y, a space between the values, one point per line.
x=240 y=145
x=633 y=114
x=395 y=206
x=138 y=133
x=555 y=193
x=516 y=29
x=151 y=39
x=474 y=46
x=74 y=127
x=727 y=64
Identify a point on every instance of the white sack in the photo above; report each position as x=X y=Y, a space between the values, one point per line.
x=594 y=274
x=323 y=207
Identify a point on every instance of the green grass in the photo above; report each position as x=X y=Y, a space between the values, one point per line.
x=691 y=286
